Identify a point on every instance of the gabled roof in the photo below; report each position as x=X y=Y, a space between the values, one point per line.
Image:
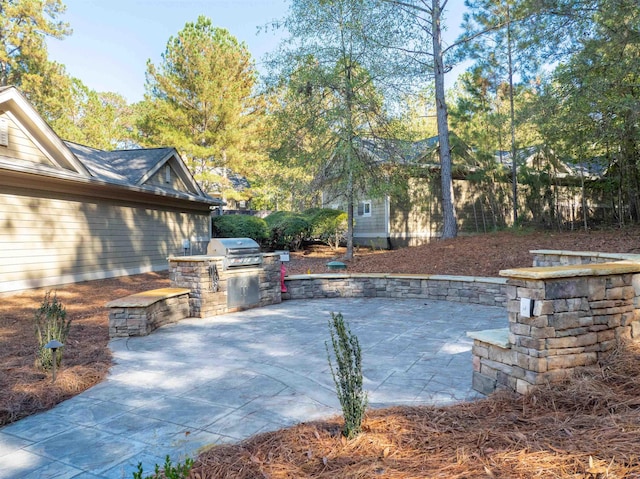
x=128 y=169
x=120 y=165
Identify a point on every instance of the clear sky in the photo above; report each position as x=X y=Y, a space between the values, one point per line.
x=113 y=39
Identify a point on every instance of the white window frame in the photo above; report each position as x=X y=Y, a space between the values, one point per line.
x=366 y=208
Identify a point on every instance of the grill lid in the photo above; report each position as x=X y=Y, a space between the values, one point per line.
x=232 y=247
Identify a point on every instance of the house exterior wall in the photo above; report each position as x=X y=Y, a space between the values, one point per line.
x=49 y=238
x=159 y=179
x=415 y=214
x=21 y=148
x=371 y=230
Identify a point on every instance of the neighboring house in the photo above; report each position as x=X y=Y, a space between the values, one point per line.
x=71 y=213
x=235 y=190
x=412 y=214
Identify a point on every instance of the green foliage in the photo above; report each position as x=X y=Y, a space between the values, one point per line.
x=347 y=374
x=50 y=323
x=327 y=225
x=288 y=230
x=24 y=26
x=201 y=100
x=240 y=226
x=168 y=471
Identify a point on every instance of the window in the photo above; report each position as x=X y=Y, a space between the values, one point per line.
x=167 y=174
x=364 y=208
x=4 y=132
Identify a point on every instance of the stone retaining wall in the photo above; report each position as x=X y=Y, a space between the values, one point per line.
x=579 y=313
x=462 y=289
x=141 y=313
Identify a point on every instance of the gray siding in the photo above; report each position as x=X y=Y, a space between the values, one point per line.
x=48 y=239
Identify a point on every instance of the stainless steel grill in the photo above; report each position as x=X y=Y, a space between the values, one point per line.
x=237 y=252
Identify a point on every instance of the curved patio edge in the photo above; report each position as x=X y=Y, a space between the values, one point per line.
x=463 y=289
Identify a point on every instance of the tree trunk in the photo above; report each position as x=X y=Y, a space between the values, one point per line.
x=450 y=224
x=514 y=165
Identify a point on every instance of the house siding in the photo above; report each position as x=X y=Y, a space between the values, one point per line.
x=21 y=147
x=158 y=179
x=55 y=238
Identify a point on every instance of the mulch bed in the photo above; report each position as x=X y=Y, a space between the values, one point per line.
x=586 y=428
x=24 y=389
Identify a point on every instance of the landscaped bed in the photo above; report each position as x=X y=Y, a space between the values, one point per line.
x=551 y=433
x=588 y=428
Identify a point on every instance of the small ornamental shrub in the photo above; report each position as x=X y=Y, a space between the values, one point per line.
x=328 y=225
x=240 y=226
x=347 y=375
x=288 y=230
x=50 y=323
x=168 y=471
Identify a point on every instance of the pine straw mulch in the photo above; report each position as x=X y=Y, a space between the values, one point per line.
x=25 y=389
x=588 y=428
x=475 y=255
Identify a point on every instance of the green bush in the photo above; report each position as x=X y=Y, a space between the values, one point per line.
x=240 y=226
x=327 y=225
x=287 y=230
x=50 y=323
x=169 y=471
x=347 y=375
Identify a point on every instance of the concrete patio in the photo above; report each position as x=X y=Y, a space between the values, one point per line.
x=225 y=378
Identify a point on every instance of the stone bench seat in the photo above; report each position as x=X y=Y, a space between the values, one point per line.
x=496 y=337
x=141 y=313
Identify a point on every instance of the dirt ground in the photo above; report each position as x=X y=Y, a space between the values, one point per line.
x=479 y=255
x=26 y=390
x=552 y=434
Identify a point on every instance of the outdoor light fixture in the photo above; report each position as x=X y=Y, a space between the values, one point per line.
x=54 y=345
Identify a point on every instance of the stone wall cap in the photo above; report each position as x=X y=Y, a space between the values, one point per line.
x=595 y=254
x=435 y=277
x=497 y=337
x=146 y=298
x=194 y=258
x=551 y=272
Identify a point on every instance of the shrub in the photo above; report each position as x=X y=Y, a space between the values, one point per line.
x=50 y=323
x=288 y=230
x=240 y=226
x=327 y=225
x=347 y=375
x=169 y=471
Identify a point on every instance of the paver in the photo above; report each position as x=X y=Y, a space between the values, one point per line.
x=225 y=378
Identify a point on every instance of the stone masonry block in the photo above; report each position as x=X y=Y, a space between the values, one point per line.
x=566 y=320
x=531 y=293
x=566 y=288
x=542 y=333
x=572 y=341
x=597 y=288
x=635 y=282
x=543 y=307
x=483 y=384
x=571 y=360
x=535 y=321
x=520 y=329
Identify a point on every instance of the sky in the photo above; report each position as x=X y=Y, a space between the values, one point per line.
x=113 y=39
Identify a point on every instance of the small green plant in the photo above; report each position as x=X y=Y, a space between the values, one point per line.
x=347 y=374
x=51 y=323
x=168 y=471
